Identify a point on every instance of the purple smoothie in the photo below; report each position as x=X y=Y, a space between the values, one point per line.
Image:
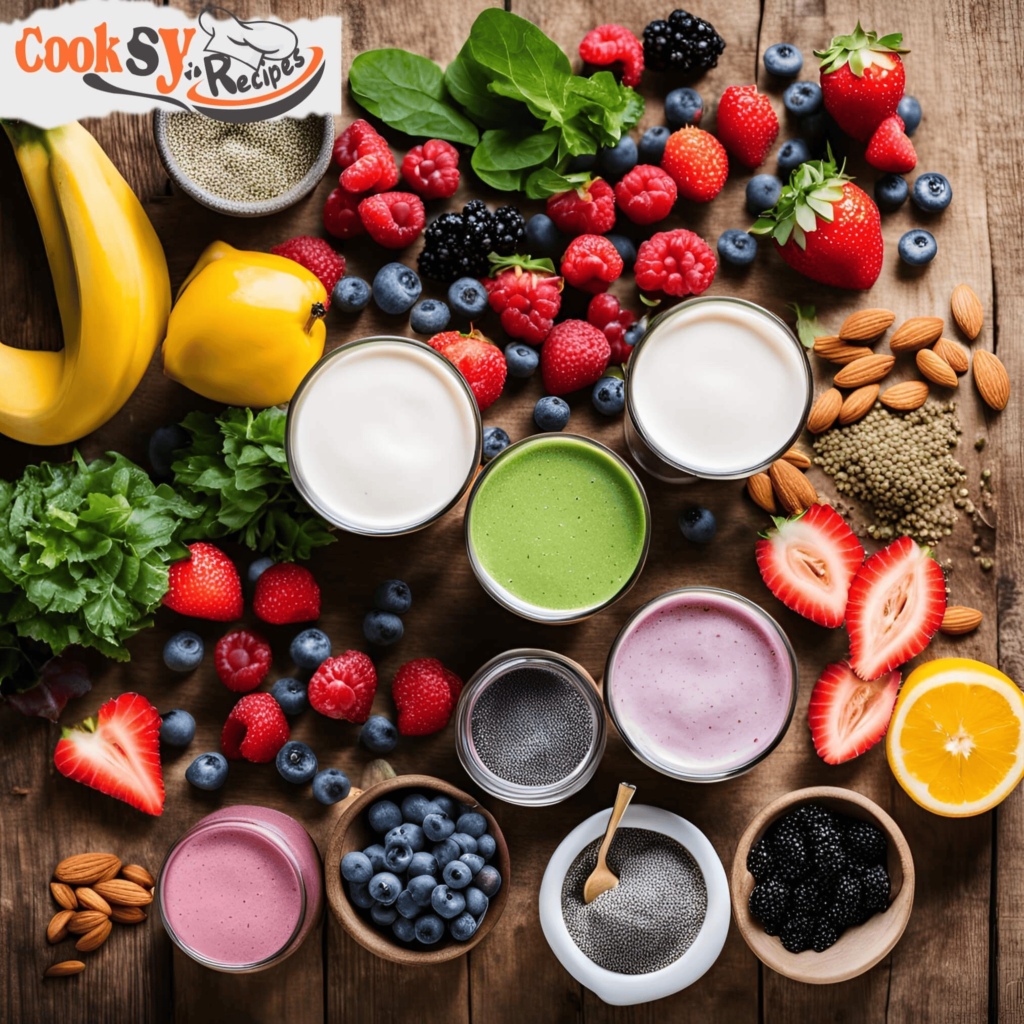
x=701 y=682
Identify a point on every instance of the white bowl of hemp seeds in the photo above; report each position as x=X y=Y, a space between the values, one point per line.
x=244 y=170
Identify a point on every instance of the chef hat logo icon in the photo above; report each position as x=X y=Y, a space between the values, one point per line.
x=249 y=42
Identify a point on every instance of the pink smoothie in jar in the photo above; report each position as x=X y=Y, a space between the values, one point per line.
x=701 y=683
x=241 y=889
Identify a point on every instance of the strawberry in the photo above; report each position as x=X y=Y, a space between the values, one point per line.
x=808 y=563
x=256 y=729
x=847 y=715
x=286 y=593
x=424 y=692
x=242 y=660
x=606 y=315
x=526 y=294
x=825 y=227
x=205 y=585
x=747 y=125
x=890 y=149
x=697 y=162
x=478 y=359
x=343 y=687
x=862 y=80
x=587 y=209
x=591 y=263
x=896 y=604
x=117 y=752
x=575 y=356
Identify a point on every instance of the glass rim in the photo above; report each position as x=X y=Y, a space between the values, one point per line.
x=306 y=492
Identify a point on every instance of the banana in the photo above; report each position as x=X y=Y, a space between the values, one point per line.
x=112 y=285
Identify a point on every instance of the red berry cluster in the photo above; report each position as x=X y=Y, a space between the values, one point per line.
x=614 y=44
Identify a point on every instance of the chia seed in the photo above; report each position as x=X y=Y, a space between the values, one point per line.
x=651 y=918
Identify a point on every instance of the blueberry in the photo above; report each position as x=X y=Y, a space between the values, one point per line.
x=635 y=331
x=932 y=192
x=382 y=628
x=652 y=144
x=792 y=153
x=404 y=929
x=398 y=857
x=473 y=861
x=396 y=287
x=737 y=247
x=619 y=159
x=495 y=442
x=910 y=110
x=891 y=192
x=447 y=902
x=177 y=728
x=375 y=853
x=331 y=785
x=163 y=443
x=609 y=396
x=350 y=294
x=291 y=694
x=625 y=248
x=682 y=107
x=384 y=887
x=457 y=874
x=208 y=771
x=697 y=524
x=415 y=807
x=476 y=901
x=444 y=804
x=407 y=906
x=256 y=569
x=521 y=359
x=438 y=826
x=378 y=735
x=803 y=98
x=311 y=648
x=472 y=823
x=763 y=191
x=551 y=413
x=467 y=297
x=296 y=762
x=356 y=867
x=583 y=162
x=488 y=881
x=382 y=915
x=423 y=863
x=465 y=842
x=542 y=237
x=392 y=596
x=486 y=846
x=783 y=60
x=463 y=927
x=446 y=851
x=184 y=651
x=918 y=247
x=817 y=128
x=407 y=832
x=429 y=316
x=420 y=888
x=429 y=929
x=359 y=894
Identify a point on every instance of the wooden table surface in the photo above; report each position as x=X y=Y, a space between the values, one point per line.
x=962 y=957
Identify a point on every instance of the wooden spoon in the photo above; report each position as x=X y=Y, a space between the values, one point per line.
x=602 y=878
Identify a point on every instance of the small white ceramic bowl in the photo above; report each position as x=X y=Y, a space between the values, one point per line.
x=631 y=989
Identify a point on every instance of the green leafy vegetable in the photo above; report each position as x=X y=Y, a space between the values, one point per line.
x=807 y=326
x=546 y=182
x=467 y=83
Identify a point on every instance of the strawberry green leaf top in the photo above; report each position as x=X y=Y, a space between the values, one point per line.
x=525 y=264
x=860 y=49
x=807 y=326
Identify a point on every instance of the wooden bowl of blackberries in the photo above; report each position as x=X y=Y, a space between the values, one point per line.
x=417 y=872
x=822 y=885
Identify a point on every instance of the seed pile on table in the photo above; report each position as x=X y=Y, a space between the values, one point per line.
x=902 y=466
x=244 y=162
x=651 y=918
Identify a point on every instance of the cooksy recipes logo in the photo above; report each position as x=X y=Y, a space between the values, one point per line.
x=93 y=57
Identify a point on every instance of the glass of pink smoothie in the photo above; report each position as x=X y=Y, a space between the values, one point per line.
x=701 y=684
x=241 y=889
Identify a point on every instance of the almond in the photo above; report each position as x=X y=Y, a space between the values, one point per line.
x=759 y=487
x=916 y=333
x=858 y=403
x=128 y=915
x=85 y=868
x=911 y=394
x=794 y=491
x=92 y=940
x=935 y=368
x=84 y=921
x=991 y=379
x=64 y=969
x=57 y=929
x=799 y=458
x=960 y=619
x=110 y=873
x=64 y=895
x=866 y=324
x=864 y=371
x=953 y=353
x=139 y=875
x=836 y=351
x=90 y=899
x=968 y=311
x=124 y=893
x=824 y=411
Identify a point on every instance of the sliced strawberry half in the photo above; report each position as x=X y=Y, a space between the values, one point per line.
x=847 y=715
x=896 y=604
x=117 y=752
x=808 y=563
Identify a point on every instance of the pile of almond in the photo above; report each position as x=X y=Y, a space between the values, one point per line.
x=784 y=485
x=94 y=891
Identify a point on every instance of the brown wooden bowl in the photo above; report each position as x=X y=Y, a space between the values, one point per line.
x=860 y=947
x=353 y=833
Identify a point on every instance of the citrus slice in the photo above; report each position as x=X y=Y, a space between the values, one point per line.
x=956 y=739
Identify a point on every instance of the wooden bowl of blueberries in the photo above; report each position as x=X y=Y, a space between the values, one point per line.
x=822 y=885
x=417 y=872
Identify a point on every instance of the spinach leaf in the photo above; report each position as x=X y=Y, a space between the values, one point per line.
x=546 y=181
x=503 y=181
x=467 y=82
x=510 y=149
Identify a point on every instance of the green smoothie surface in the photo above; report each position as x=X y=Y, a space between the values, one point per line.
x=558 y=524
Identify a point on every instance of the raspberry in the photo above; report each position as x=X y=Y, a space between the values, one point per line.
x=589 y=209
x=432 y=169
x=747 y=125
x=317 y=256
x=646 y=194
x=256 y=729
x=676 y=263
x=613 y=44
x=526 y=294
x=424 y=692
x=605 y=314
x=341 y=214
x=343 y=687
x=478 y=359
x=365 y=159
x=697 y=162
x=591 y=263
x=393 y=219
x=242 y=660
x=574 y=356
x=286 y=593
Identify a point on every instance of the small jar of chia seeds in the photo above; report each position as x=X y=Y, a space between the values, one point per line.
x=530 y=727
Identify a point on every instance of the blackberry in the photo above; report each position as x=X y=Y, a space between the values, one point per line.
x=809 y=898
x=829 y=857
x=826 y=933
x=824 y=833
x=865 y=842
x=759 y=860
x=844 y=906
x=683 y=43
x=809 y=815
x=769 y=903
x=457 y=244
x=509 y=230
x=789 y=851
x=874 y=890
x=797 y=933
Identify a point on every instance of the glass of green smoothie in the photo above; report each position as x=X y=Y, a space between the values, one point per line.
x=557 y=528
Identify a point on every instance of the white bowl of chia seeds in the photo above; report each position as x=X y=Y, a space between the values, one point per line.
x=660 y=929
x=244 y=170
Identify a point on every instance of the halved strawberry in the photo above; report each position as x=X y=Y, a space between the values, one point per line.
x=808 y=563
x=117 y=752
x=896 y=604
x=847 y=715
